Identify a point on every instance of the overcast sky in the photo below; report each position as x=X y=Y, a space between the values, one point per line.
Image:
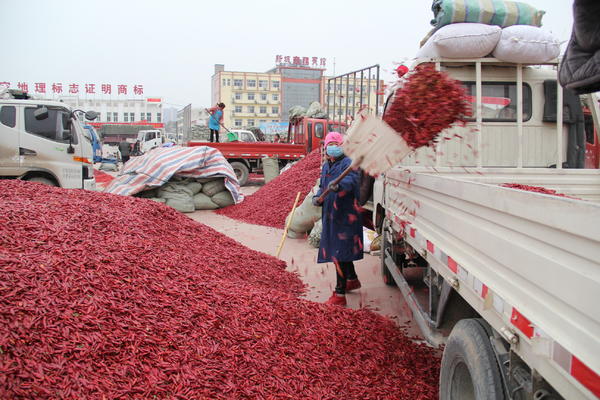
x=170 y=47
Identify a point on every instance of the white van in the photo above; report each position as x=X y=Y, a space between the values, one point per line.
x=42 y=141
x=149 y=140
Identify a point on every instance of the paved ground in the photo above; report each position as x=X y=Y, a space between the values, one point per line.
x=320 y=278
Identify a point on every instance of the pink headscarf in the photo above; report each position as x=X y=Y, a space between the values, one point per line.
x=334 y=137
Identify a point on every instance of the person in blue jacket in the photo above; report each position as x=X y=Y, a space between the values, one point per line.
x=214 y=122
x=342 y=236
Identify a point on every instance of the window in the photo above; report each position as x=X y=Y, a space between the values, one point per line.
x=238 y=109
x=131 y=117
x=262 y=121
x=274 y=120
x=238 y=96
x=238 y=123
x=275 y=110
x=150 y=135
x=263 y=96
x=8 y=116
x=56 y=127
x=275 y=84
x=250 y=122
x=149 y=117
x=319 y=129
x=115 y=117
x=237 y=82
x=126 y=117
x=224 y=82
x=275 y=97
x=107 y=117
x=263 y=84
x=499 y=101
x=250 y=109
x=228 y=82
x=250 y=96
x=263 y=110
x=158 y=117
x=251 y=82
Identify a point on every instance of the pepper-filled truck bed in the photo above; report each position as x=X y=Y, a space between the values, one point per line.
x=528 y=263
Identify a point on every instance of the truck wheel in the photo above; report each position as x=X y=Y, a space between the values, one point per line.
x=388 y=279
x=45 y=181
x=469 y=369
x=241 y=171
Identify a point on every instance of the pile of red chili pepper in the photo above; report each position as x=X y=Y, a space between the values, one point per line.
x=270 y=205
x=104 y=296
x=537 y=189
x=428 y=102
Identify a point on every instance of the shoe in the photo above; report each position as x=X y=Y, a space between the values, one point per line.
x=352 y=284
x=337 y=299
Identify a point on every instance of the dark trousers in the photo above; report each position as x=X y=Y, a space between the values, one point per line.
x=347 y=269
x=216 y=137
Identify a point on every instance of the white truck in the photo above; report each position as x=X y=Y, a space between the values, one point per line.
x=148 y=140
x=507 y=279
x=43 y=141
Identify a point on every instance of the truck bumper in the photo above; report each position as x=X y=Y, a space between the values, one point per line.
x=89 y=184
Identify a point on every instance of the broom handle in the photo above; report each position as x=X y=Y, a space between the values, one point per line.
x=339 y=179
x=287 y=226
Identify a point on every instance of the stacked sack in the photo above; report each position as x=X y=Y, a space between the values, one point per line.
x=305 y=216
x=507 y=30
x=190 y=194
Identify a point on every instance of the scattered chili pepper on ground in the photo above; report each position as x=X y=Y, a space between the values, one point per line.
x=537 y=189
x=105 y=296
x=270 y=205
x=428 y=102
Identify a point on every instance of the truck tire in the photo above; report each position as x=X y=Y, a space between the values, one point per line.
x=469 y=370
x=241 y=171
x=43 y=180
x=388 y=279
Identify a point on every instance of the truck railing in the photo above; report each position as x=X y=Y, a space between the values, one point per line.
x=342 y=103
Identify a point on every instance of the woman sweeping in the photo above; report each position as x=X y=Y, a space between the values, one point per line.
x=342 y=239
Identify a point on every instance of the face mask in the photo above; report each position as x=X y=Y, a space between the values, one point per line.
x=334 y=151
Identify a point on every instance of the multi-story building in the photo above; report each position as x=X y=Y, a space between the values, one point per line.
x=257 y=98
x=251 y=98
x=345 y=96
x=146 y=111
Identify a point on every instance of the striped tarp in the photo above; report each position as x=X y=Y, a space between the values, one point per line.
x=156 y=167
x=491 y=12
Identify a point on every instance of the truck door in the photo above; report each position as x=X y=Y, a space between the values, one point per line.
x=9 y=141
x=44 y=145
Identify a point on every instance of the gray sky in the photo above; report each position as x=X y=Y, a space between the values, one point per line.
x=170 y=47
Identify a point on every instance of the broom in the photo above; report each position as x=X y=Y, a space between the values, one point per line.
x=428 y=103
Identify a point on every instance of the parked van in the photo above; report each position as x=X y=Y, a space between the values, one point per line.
x=43 y=141
x=149 y=139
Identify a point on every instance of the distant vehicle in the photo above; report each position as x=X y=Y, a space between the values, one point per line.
x=304 y=136
x=244 y=136
x=96 y=143
x=148 y=140
x=43 y=141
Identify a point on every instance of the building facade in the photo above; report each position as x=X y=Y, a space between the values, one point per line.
x=147 y=111
x=251 y=98
x=254 y=99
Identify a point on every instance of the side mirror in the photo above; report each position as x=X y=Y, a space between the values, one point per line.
x=41 y=113
x=91 y=115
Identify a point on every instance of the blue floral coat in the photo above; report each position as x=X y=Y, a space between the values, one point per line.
x=342 y=237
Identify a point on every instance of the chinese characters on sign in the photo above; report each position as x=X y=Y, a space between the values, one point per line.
x=304 y=61
x=74 y=88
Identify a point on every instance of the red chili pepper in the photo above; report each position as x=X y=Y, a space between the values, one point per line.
x=104 y=296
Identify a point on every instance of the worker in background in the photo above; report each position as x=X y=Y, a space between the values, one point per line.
x=277 y=138
x=342 y=236
x=125 y=150
x=214 y=122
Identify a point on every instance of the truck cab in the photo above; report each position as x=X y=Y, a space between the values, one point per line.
x=44 y=141
x=312 y=131
x=149 y=139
